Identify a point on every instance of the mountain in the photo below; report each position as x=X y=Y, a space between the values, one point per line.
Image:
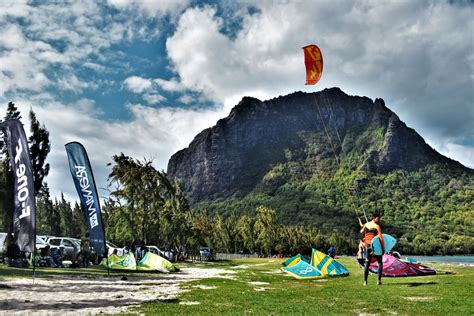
x=319 y=158
x=232 y=157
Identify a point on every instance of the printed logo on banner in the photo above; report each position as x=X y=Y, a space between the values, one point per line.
x=22 y=181
x=94 y=221
x=83 y=178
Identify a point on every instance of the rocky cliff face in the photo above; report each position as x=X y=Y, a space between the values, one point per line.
x=314 y=133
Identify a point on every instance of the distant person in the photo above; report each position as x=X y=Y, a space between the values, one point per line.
x=370 y=230
x=56 y=258
x=45 y=254
x=361 y=253
x=13 y=253
x=332 y=252
x=85 y=250
x=141 y=251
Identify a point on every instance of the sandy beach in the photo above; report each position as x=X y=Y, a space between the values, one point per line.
x=83 y=295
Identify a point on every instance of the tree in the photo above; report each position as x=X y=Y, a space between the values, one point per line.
x=144 y=204
x=202 y=231
x=55 y=219
x=44 y=211
x=265 y=227
x=7 y=177
x=39 y=150
x=66 y=215
x=78 y=224
x=245 y=230
x=221 y=236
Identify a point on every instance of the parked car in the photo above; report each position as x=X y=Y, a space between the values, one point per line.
x=45 y=237
x=156 y=250
x=3 y=247
x=71 y=246
x=40 y=244
x=206 y=253
x=170 y=255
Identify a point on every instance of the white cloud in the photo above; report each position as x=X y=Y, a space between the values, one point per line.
x=95 y=66
x=150 y=133
x=149 y=87
x=172 y=85
x=153 y=98
x=421 y=65
x=153 y=9
x=13 y=9
x=186 y=99
x=12 y=37
x=71 y=83
x=462 y=153
x=138 y=84
x=28 y=55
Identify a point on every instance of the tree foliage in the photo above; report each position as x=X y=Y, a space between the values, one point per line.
x=144 y=205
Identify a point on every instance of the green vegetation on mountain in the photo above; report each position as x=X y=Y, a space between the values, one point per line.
x=319 y=160
x=430 y=211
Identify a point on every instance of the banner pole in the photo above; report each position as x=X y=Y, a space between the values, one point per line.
x=34 y=270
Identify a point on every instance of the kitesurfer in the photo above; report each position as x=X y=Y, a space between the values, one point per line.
x=361 y=253
x=370 y=230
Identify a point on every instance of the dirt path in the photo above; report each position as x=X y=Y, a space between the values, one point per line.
x=91 y=295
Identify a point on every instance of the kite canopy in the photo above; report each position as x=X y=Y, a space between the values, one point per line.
x=393 y=267
x=294 y=260
x=115 y=262
x=313 y=60
x=327 y=265
x=303 y=270
x=321 y=266
x=150 y=262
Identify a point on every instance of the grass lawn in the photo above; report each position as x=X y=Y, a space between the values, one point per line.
x=277 y=293
x=274 y=292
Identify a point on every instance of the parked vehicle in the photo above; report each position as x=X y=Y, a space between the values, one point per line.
x=3 y=247
x=206 y=253
x=171 y=255
x=40 y=244
x=71 y=246
x=45 y=237
x=156 y=250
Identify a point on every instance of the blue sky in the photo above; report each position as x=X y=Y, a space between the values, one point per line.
x=144 y=77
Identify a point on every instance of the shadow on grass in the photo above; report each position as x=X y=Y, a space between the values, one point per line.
x=414 y=284
x=92 y=273
x=165 y=301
